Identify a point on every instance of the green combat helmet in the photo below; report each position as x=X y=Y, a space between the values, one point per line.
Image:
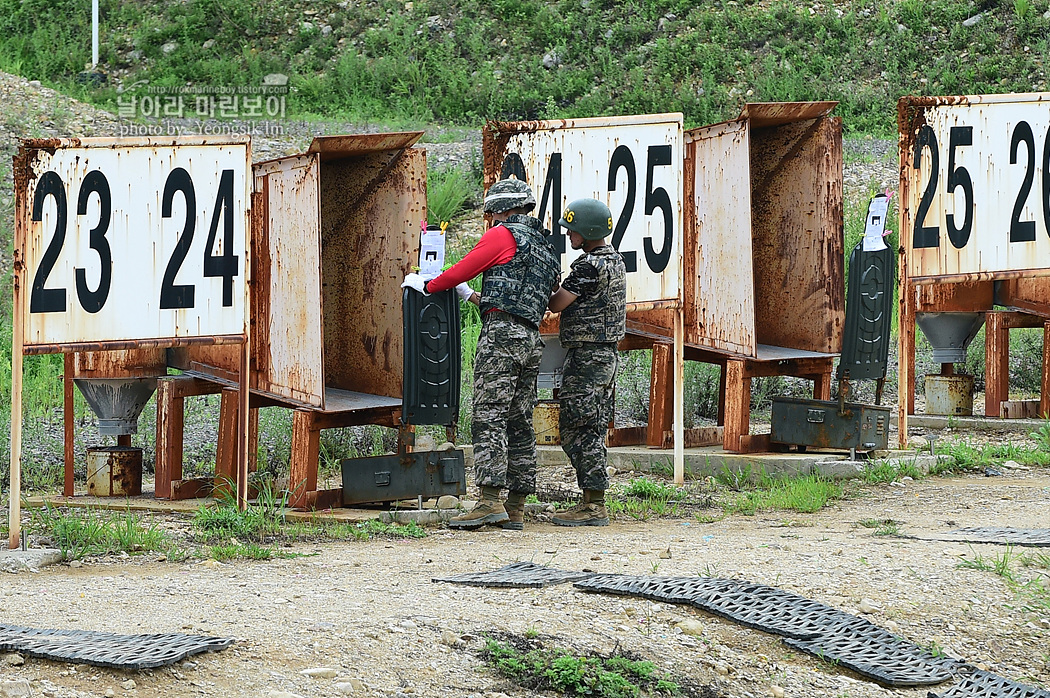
x=589 y=217
x=507 y=194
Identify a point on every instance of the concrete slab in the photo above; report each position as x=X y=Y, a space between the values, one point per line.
x=710 y=461
x=15 y=561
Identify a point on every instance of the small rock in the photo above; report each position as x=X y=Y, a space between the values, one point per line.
x=344 y=687
x=447 y=501
x=169 y=47
x=970 y=21
x=867 y=606
x=75 y=564
x=128 y=685
x=447 y=446
x=34 y=83
x=892 y=626
x=320 y=673
x=691 y=626
x=610 y=471
x=776 y=691
x=13 y=659
x=16 y=688
x=110 y=693
x=450 y=638
x=408 y=625
x=722 y=669
x=282 y=694
x=208 y=44
x=665 y=554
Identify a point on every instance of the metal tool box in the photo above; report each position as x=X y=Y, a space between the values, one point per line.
x=818 y=424
x=838 y=424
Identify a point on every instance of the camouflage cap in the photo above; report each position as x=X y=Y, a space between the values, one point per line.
x=507 y=194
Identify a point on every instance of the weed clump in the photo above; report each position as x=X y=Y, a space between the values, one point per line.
x=527 y=662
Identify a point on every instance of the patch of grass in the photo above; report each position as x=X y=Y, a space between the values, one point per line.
x=78 y=533
x=883 y=527
x=890 y=471
x=804 y=494
x=643 y=498
x=1033 y=591
x=450 y=191
x=246 y=551
x=537 y=668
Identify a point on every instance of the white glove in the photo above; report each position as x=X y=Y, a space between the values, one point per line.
x=464 y=291
x=416 y=282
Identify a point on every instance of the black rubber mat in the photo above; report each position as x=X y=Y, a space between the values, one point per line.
x=107 y=649
x=982 y=684
x=520 y=575
x=888 y=661
x=1029 y=537
x=664 y=589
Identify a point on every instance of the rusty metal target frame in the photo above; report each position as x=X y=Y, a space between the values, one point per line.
x=984 y=684
x=516 y=575
x=107 y=649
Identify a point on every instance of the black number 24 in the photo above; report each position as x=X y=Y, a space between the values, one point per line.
x=225 y=265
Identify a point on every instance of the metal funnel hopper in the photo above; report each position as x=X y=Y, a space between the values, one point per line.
x=117 y=402
x=949 y=334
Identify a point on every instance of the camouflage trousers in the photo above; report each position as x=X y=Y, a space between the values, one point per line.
x=586 y=405
x=505 y=370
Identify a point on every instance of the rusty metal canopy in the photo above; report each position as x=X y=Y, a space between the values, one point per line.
x=345 y=146
x=762 y=114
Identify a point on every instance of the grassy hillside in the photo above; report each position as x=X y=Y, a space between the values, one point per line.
x=463 y=61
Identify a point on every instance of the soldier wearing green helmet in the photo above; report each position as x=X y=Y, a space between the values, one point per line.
x=593 y=305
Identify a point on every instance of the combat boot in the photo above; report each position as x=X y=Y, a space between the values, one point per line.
x=515 y=506
x=590 y=512
x=487 y=511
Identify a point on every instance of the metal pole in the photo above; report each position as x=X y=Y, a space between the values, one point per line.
x=15 y=495
x=679 y=397
x=94 y=33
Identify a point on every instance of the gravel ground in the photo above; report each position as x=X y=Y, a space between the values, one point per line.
x=366 y=618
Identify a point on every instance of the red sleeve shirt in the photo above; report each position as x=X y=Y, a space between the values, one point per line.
x=496 y=246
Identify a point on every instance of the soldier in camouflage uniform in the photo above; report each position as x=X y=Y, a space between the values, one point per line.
x=521 y=270
x=593 y=305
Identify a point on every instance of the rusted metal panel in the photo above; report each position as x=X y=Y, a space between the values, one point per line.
x=973 y=185
x=112 y=252
x=720 y=298
x=763 y=114
x=1032 y=295
x=119 y=364
x=338 y=147
x=286 y=297
x=371 y=208
x=796 y=223
x=632 y=163
x=964 y=297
